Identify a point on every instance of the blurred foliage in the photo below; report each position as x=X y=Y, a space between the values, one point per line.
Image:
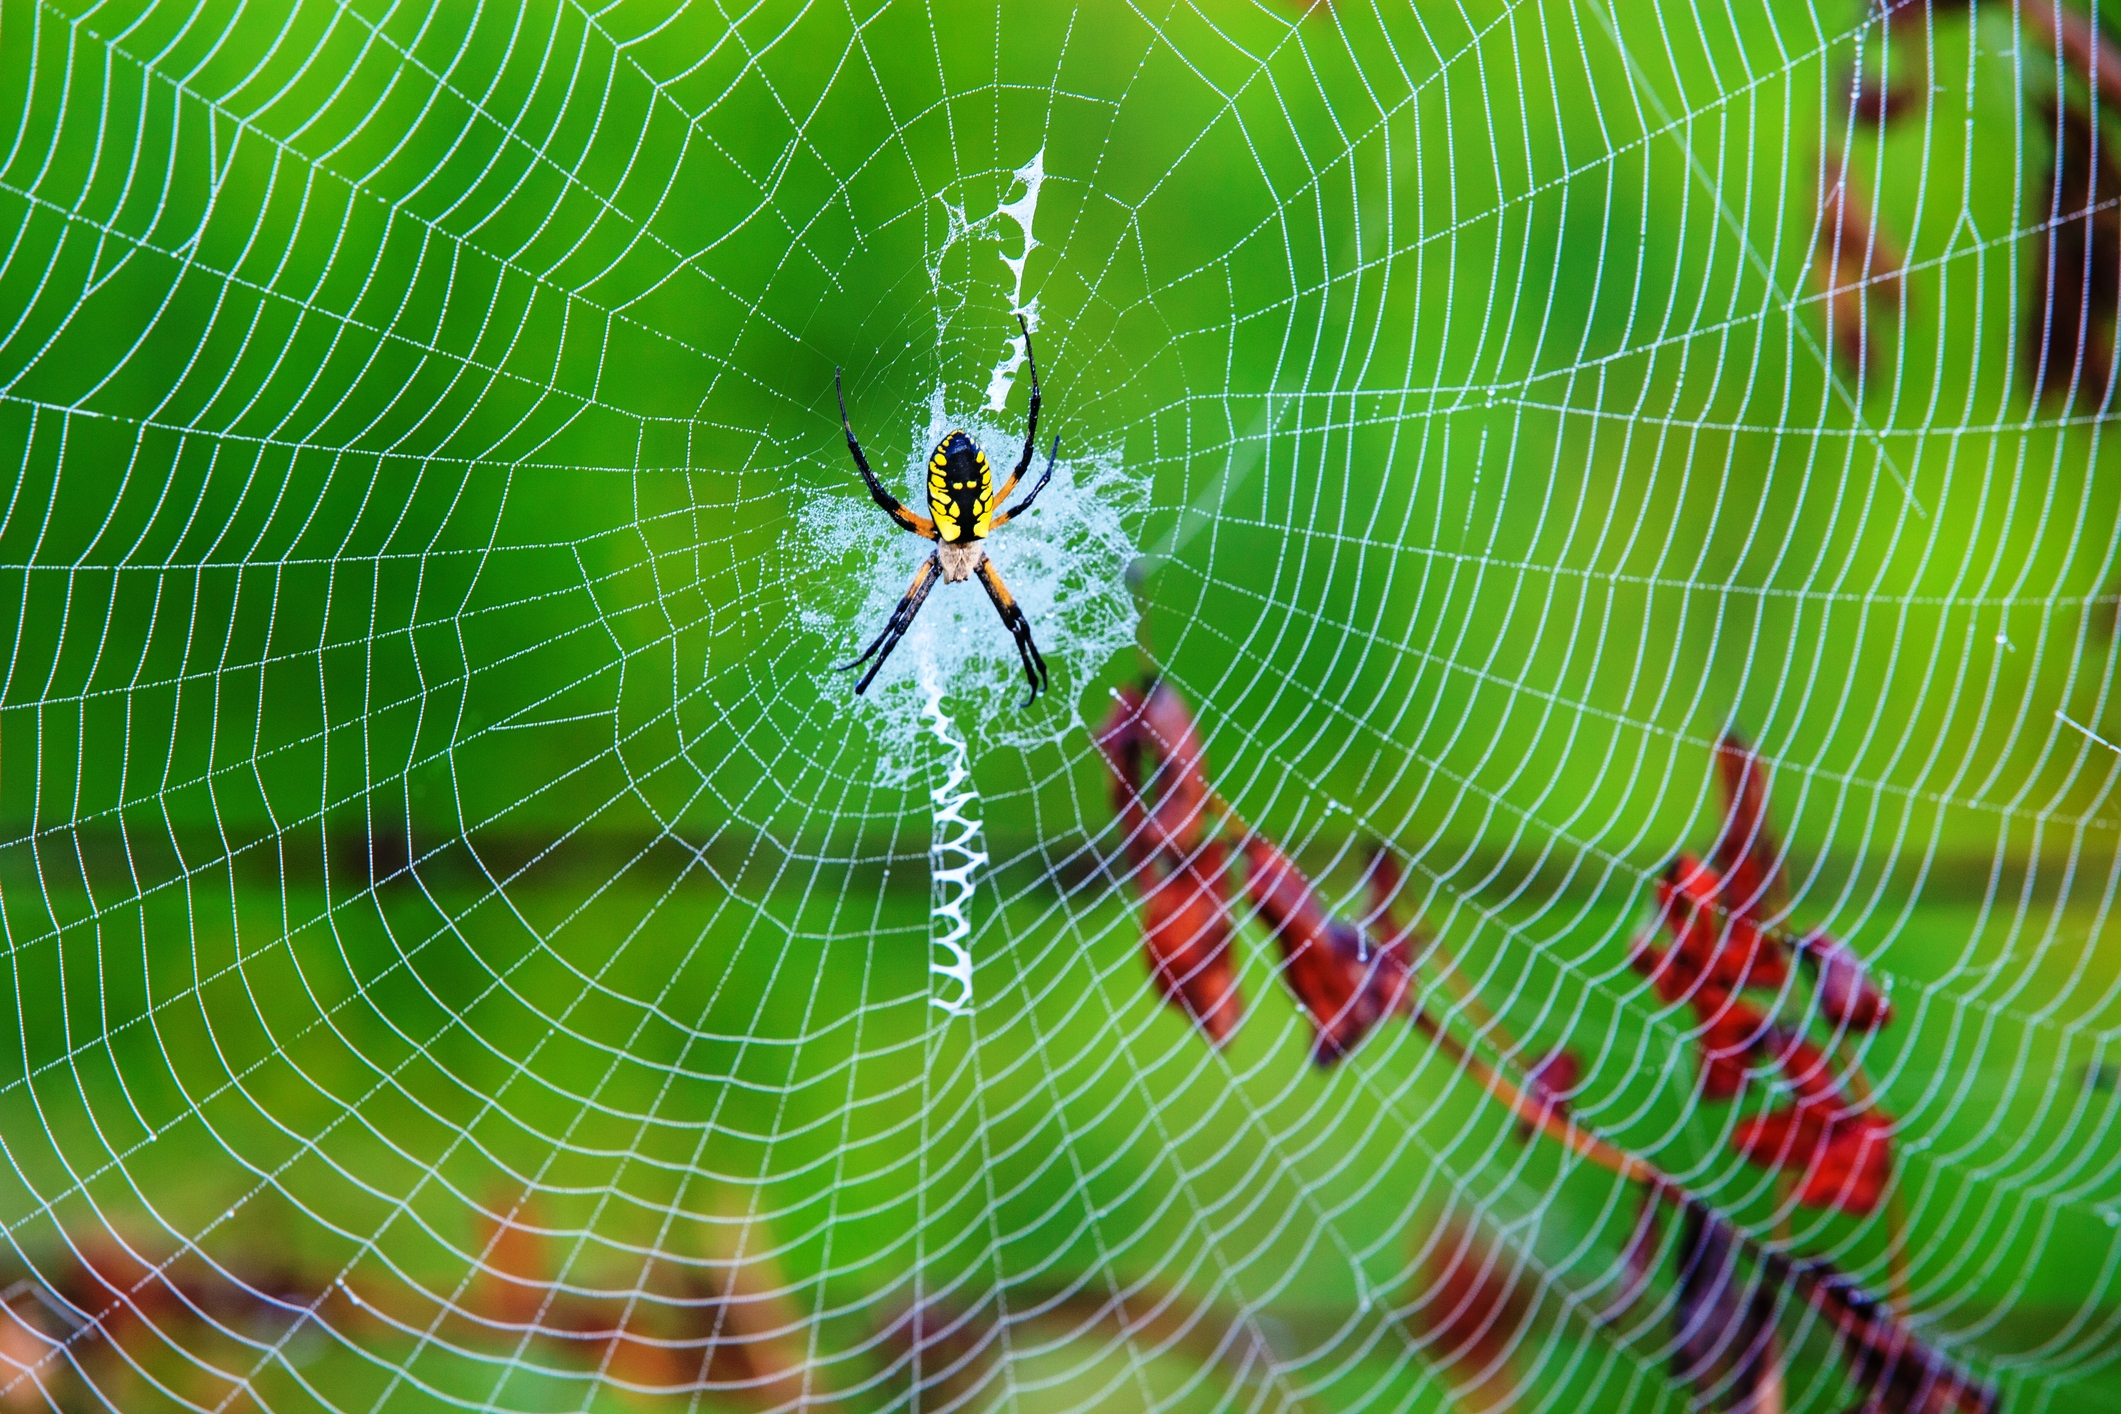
x=398 y=446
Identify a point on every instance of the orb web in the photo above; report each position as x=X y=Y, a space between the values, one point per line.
x=468 y=948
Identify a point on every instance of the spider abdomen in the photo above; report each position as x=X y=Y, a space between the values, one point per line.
x=959 y=561
x=960 y=490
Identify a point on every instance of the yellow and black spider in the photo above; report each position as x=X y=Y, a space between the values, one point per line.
x=961 y=498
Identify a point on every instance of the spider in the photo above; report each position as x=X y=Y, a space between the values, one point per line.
x=961 y=498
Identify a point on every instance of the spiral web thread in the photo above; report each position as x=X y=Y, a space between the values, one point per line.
x=469 y=950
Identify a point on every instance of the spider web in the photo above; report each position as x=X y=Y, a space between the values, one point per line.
x=454 y=911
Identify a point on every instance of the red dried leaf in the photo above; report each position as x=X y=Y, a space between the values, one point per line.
x=1119 y=734
x=1839 y=1151
x=1847 y=996
x=1807 y=1069
x=1343 y=986
x=1712 y=940
x=1181 y=812
x=1171 y=731
x=1842 y=1159
x=1186 y=934
x=1671 y=980
x=1283 y=895
x=1731 y=1030
x=1745 y=852
x=1179 y=873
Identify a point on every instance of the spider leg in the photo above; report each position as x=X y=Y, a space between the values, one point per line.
x=1030 y=427
x=901 y=619
x=1019 y=628
x=1047 y=475
x=907 y=520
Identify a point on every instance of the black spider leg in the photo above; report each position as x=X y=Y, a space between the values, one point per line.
x=1019 y=629
x=907 y=520
x=1047 y=475
x=901 y=619
x=1023 y=463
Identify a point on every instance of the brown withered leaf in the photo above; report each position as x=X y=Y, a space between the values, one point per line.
x=1718 y=1317
x=1879 y=103
x=1186 y=934
x=2069 y=334
x=1344 y=985
x=1638 y=1261
x=1470 y=1312
x=948 y=1353
x=1847 y=996
x=1158 y=772
x=31 y=1362
x=2080 y=42
x=741 y=1315
x=1855 y=266
x=724 y=1325
x=1723 y=1319
x=1180 y=872
x=513 y=1280
x=118 y=1309
x=643 y=1348
x=114 y=1287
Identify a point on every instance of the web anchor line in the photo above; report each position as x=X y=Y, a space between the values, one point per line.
x=954 y=834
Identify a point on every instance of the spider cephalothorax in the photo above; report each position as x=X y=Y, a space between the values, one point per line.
x=961 y=514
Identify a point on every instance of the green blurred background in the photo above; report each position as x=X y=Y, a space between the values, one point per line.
x=419 y=785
